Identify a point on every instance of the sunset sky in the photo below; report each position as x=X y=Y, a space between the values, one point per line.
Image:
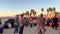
x=12 y=7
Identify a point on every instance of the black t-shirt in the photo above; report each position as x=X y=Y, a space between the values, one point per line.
x=55 y=20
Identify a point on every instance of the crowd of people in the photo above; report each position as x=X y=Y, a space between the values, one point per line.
x=22 y=21
x=40 y=22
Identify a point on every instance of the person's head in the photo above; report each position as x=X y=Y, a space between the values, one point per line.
x=17 y=15
x=41 y=15
x=21 y=15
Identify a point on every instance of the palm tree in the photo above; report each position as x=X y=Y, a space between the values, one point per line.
x=47 y=10
x=34 y=13
x=42 y=9
x=50 y=9
x=27 y=13
x=54 y=9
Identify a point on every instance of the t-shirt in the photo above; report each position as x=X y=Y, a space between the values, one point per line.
x=42 y=21
x=24 y=20
x=16 y=21
x=54 y=20
x=20 y=21
x=31 y=21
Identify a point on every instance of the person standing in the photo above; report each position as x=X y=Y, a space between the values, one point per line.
x=55 y=21
x=16 y=24
x=48 y=21
x=31 y=22
x=38 y=26
x=1 y=27
x=41 y=24
x=59 y=27
x=21 y=24
x=0 y=21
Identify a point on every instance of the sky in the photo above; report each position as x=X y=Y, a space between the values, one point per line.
x=13 y=7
